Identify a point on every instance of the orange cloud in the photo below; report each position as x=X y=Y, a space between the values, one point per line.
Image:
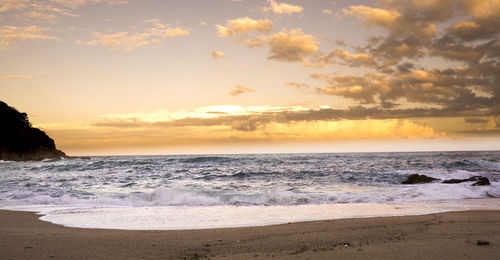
x=283 y=8
x=240 y=90
x=482 y=9
x=238 y=132
x=243 y=26
x=293 y=46
x=10 y=34
x=49 y=10
x=218 y=54
x=12 y=76
x=374 y=16
x=128 y=41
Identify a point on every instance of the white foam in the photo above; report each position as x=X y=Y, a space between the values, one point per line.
x=179 y=196
x=203 y=217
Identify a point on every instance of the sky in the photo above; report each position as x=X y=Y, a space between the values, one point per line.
x=254 y=76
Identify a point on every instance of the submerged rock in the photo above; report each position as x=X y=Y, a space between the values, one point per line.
x=421 y=178
x=19 y=141
x=453 y=181
x=479 y=181
x=482 y=181
x=418 y=178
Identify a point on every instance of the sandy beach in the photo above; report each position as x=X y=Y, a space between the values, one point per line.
x=452 y=235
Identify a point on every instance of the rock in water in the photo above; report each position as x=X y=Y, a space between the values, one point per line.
x=479 y=181
x=482 y=181
x=417 y=178
x=19 y=141
x=454 y=181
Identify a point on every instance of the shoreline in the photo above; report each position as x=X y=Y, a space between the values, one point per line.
x=231 y=216
x=438 y=235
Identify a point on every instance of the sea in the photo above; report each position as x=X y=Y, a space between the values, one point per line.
x=171 y=192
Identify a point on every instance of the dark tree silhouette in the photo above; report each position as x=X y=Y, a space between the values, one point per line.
x=19 y=141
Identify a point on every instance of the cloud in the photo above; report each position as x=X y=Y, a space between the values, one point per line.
x=364 y=89
x=374 y=16
x=218 y=54
x=78 y=3
x=392 y=74
x=291 y=124
x=12 y=76
x=128 y=41
x=10 y=34
x=293 y=46
x=347 y=58
x=450 y=89
x=120 y=40
x=465 y=29
x=409 y=31
x=298 y=85
x=356 y=129
x=243 y=26
x=482 y=9
x=9 y=5
x=452 y=49
x=283 y=8
x=435 y=10
x=475 y=120
x=241 y=131
x=327 y=11
x=252 y=43
x=238 y=90
x=40 y=16
x=477 y=20
x=49 y=10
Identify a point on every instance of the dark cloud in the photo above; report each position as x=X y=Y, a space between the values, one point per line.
x=338 y=56
x=392 y=76
x=454 y=49
x=405 y=67
x=388 y=105
x=449 y=88
x=260 y=120
x=293 y=46
x=412 y=30
x=364 y=89
x=475 y=120
x=340 y=43
x=473 y=30
x=465 y=32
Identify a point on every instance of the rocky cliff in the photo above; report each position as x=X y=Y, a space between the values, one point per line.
x=19 y=141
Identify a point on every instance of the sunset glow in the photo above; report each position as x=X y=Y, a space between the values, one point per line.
x=237 y=76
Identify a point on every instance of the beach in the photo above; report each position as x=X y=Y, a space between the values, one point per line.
x=252 y=206
x=450 y=235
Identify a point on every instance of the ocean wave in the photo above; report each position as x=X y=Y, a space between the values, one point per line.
x=246 y=179
x=182 y=196
x=490 y=165
x=444 y=174
x=205 y=159
x=248 y=174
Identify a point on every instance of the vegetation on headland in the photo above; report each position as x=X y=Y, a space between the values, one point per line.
x=19 y=141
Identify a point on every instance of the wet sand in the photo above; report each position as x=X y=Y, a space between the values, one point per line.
x=451 y=235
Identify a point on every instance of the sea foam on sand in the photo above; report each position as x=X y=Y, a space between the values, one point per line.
x=225 y=216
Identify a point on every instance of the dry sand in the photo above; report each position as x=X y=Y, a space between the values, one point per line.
x=450 y=235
